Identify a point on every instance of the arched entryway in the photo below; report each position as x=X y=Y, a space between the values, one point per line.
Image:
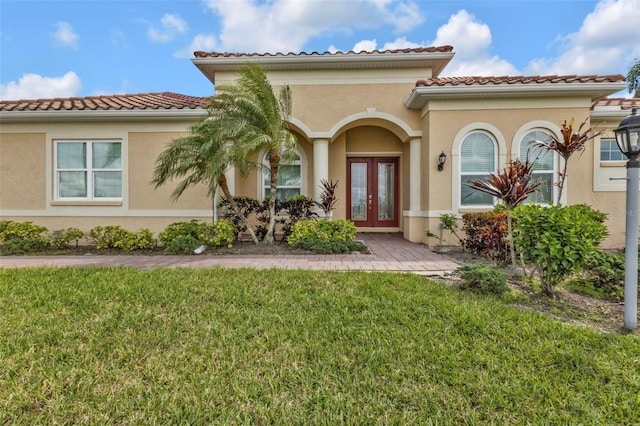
x=374 y=160
x=373 y=191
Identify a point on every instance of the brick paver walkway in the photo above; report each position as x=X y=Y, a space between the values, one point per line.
x=390 y=252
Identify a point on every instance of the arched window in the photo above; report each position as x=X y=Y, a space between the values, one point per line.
x=477 y=160
x=289 y=178
x=544 y=166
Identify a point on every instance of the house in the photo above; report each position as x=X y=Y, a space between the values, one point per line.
x=377 y=122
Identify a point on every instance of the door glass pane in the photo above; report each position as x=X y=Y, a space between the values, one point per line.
x=386 y=184
x=358 y=191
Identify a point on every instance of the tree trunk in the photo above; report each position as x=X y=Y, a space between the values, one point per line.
x=274 y=161
x=512 y=248
x=222 y=183
x=562 y=180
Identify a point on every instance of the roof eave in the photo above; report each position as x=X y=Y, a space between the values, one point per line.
x=147 y=114
x=595 y=90
x=436 y=61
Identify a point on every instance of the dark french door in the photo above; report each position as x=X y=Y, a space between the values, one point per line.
x=372 y=199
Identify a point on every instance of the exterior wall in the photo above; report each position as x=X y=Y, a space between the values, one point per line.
x=446 y=119
x=357 y=112
x=144 y=148
x=608 y=187
x=338 y=172
x=322 y=107
x=27 y=177
x=22 y=171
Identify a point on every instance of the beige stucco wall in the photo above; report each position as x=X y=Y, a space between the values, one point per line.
x=144 y=148
x=22 y=171
x=445 y=119
x=321 y=108
x=338 y=172
x=356 y=112
x=27 y=176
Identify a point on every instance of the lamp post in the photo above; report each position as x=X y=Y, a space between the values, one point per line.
x=628 y=140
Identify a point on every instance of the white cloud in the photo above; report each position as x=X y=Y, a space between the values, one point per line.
x=172 y=25
x=472 y=42
x=287 y=25
x=371 y=45
x=203 y=42
x=607 y=42
x=65 y=37
x=34 y=86
x=366 y=45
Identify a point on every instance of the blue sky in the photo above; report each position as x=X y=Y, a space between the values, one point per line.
x=51 y=48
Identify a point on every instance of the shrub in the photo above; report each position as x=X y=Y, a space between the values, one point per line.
x=185 y=237
x=337 y=230
x=331 y=246
x=221 y=234
x=16 y=246
x=325 y=236
x=178 y=229
x=10 y=230
x=21 y=237
x=603 y=275
x=557 y=239
x=61 y=238
x=106 y=237
x=297 y=208
x=139 y=240
x=487 y=234
x=483 y=279
x=248 y=206
x=182 y=244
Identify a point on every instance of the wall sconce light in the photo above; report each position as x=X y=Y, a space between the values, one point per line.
x=442 y=158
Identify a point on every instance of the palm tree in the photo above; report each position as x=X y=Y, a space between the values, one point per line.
x=633 y=79
x=255 y=119
x=202 y=157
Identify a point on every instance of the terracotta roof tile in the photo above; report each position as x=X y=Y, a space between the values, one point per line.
x=442 y=49
x=471 y=81
x=161 y=100
x=622 y=103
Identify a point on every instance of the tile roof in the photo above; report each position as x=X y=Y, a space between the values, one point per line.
x=441 y=49
x=480 y=81
x=622 y=103
x=143 y=101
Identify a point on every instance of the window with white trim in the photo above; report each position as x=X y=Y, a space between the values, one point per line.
x=88 y=170
x=609 y=151
x=289 y=178
x=478 y=158
x=544 y=167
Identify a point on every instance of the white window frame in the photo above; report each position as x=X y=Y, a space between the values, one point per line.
x=89 y=169
x=302 y=162
x=501 y=152
x=610 y=141
x=485 y=174
x=555 y=166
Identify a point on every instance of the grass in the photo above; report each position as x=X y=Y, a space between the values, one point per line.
x=125 y=346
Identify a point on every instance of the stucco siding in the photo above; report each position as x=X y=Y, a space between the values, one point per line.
x=22 y=171
x=144 y=148
x=322 y=107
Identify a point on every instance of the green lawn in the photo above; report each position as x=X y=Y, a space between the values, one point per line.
x=223 y=346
